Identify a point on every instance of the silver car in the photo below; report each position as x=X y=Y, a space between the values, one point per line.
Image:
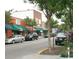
x=15 y=38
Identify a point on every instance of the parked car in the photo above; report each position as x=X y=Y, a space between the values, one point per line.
x=31 y=36
x=15 y=38
x=60 y=37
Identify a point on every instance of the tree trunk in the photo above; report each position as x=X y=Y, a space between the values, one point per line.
x=53 y=41
x=49 y=40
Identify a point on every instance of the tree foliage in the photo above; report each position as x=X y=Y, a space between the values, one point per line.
x=8 y=16
x=53 y=23
x=58 y=7
x=66 y=10
x=47 y=6
x=30 y=22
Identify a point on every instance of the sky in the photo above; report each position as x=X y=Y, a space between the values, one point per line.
x=20 y=5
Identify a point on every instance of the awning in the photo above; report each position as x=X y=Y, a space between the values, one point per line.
x=19 y=27
x=30 y=28
x=38 y=29
x=8 y=26
x=15 y=27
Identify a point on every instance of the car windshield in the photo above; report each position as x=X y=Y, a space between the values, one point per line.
x=61 y=35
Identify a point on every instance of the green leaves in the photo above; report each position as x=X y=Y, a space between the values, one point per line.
x=50 y=6
x=27 y=20
x=53 y=23
x=8 y=16
x=30 y=22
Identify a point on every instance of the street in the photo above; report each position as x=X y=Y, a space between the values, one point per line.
x=19 y=50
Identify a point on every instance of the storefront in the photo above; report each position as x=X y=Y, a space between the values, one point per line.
x=39 y=31
x=14 y=30
x=30 y=28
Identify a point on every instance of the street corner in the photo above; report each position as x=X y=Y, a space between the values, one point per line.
x=41 y=51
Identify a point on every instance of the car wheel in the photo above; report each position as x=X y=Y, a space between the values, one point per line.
x=13 y=41
x=36 y=38
x=32 y=38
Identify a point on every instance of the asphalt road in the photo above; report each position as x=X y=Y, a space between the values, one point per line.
x=18 y=50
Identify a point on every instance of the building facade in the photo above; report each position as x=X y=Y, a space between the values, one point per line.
x=17 y=21
x=33 y=14
x=38 y=17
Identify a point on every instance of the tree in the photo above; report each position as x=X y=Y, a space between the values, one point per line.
x=67 y=12
x=27 y=20
x=33 y=22
x=49 y=7
x=62 y=27
x=8 y=16
x=30 y=22
x=53 y=24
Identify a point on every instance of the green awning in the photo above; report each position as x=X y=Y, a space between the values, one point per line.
x=19 y=28
x=38 y=29
x=15 y=27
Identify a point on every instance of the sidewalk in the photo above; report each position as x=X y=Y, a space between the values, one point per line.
x=36 y=56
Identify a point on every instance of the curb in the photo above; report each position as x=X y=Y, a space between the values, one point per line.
x=42 y=51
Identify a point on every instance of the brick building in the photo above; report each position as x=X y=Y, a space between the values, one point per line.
x=17 y=21
x=37 y=17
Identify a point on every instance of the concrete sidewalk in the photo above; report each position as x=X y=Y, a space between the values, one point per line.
x=36 y=56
